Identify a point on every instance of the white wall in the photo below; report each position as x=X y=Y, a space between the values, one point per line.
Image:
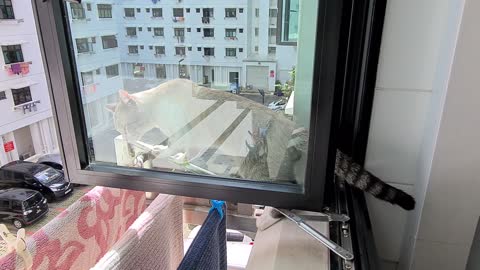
x=411 y=43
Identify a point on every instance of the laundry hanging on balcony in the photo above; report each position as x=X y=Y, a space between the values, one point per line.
x=208 y=250
x=18 y=68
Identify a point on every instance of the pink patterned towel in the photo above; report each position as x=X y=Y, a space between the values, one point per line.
x=154 y=241
x=83 y=233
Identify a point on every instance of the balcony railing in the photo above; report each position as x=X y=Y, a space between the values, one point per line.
x=27 y=106
x=18 y=68
x=131 y=36
x=231 y=38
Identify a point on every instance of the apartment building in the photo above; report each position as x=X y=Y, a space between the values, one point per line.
x=214 y=43
x=26 y=123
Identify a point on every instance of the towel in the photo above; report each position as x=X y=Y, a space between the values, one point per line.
x=16 y=68
x=25 y=68
x=208 y=250
x=153 y=242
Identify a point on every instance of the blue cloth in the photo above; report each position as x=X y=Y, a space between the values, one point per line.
x=208 y=250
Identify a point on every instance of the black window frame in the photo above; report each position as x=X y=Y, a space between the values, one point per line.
x=129 y=12
x=135 y=49
x=208 y=51
x=104 y=11
x=159 y=50
x=21 y=95
x=130 y=30
x=6 y=10
x=3 y=95
x=230 y=13
x=345 y=67
x=110 y=68
x=174 y=10
x=157 y=11
x=13 y=50
x=228 y=52
x=210 y=31
x=105 y=42
x=161 y=31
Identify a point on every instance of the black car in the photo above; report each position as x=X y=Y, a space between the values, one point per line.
x=48 y=181
x=52 y=160
x=22 y=206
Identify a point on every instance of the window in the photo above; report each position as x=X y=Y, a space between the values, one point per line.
x=129 y=12
x=150 y=47
x=12 y=54
x=3 y=95
x=158 y=31
x=230 y=12
x=89 y=7
x=142 y=47
x=240 y=49
x=6 y=9
x=187 y=10
x=197 y=10
x=199 y=30
x=199 y=49
x=240 y=30
x=138 y=70
x=139 y=29
x=178 y=12
x=147 y=10
x=189 y=49
x=272 y=50
x=257 y=31
x=179 y=32
x=104 y=10
x=132 y=31
x=288 y=21
x=149 y=29
x=159 y=50
x=160 y=71
x=240 y=10
x=247 y=146
x=87 y=78
x=179 y=50
x=139 y=10
x=272 y=13
x=208 y=32
x=230 y=33
x=133 y=49
x=157 y=13
x=78 y=12
x=109 y=42
x=189 y=30
x=272 y=32
x=256 y=48
x=208 y=12
x=112 y=71
x=232 y=52
x=83 y=46
x=257 y=12
x=21 y=95
x=208 y=51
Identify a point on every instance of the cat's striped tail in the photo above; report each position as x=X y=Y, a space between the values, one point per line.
x=352 y=173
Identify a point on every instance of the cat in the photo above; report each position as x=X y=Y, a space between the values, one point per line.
x=171 y=107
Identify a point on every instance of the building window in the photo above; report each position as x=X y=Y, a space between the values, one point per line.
x=208 y=12
x=109 y=42
x=104 y=10
x=3 y=95
x=273 y=13
x=240 y=10
x=189 y=49
x=147 y=10
x=138 y=70
x=208 y=32
x=257 y=12
x=179 y=50
x=187 y=10
x=21 y=95
x=133 y=49
x=89 y=7
x=112 y=71
x=160 y=71
x=157 y=13
x=209 y=51
x=83 y=46
x=240 y=30
x=12 y=54
x=230 y=52
x=78 y=12
x=179 y=32
x=129 y=12
x=230 y=12
x=199 y=49
x=6 y=10
x=87 y=78
x=178 y=12
x=240 y=49
x=199 y=30
x=256 y=31
x=289 y=21
x=139 y=10
x=142 y=47
x=131 y=31
x=189 y=30
x=150 y=47
x=159 y=50
x=272 y=50
x=256 y=48
x=197 y=10
x=158 y=32
x=230 y=33
x=272 y=32
x=139 y=29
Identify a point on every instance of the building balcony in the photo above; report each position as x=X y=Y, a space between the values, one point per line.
x=206 y=20
x=19 y=68
x=180 y=39
x=27 y=106
x=231 y=38
x=178 y=19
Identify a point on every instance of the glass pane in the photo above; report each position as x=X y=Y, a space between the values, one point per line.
x=200 y=90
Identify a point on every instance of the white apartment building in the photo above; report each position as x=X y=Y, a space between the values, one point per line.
x=26 y=123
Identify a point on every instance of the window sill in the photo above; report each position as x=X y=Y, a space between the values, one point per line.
x=158 y=36
x=156 y=18
x=129 y=18
x=11 y=21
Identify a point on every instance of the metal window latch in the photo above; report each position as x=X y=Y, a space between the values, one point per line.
x=334 y=247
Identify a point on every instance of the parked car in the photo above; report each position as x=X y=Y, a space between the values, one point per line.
x=22 y=206
x=52 y=160
x=45 y=179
